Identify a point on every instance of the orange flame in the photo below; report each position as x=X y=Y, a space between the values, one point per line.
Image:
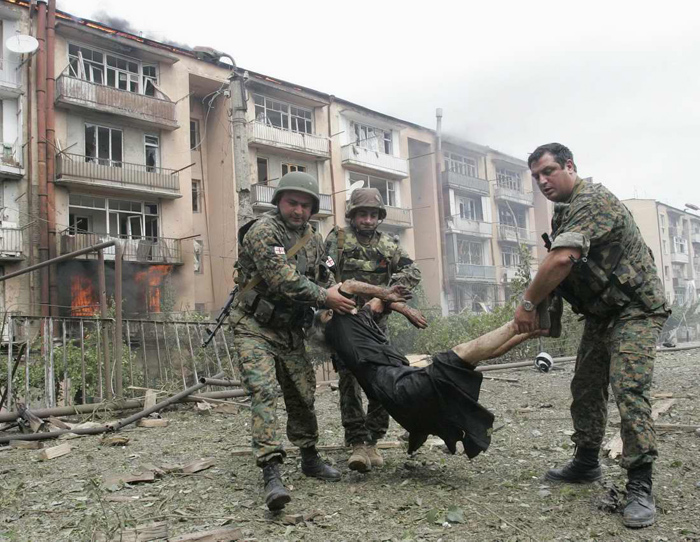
x=152 y=280
x=84 y=300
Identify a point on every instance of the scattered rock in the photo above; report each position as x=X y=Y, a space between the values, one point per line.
x=544 y=493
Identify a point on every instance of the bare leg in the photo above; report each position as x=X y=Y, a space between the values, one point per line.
x=492 y=344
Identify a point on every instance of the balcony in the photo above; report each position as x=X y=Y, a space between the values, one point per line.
x=515 y=196
x=80 y=171
x=268 y=136
x=680 y=257
x=147 y=250
x=399 y=217
x=466 y=182
x=152 y=112
x=472 y=273
x=10 y=79
x=261 y=199
x=11 y=160
x=11 y=243
x=368 y=161
x=515 y=235
x=695 y=237
x=473 y=228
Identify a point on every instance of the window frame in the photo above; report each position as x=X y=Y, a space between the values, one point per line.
x=196 y=195
x=289 y=114
x=510 y=179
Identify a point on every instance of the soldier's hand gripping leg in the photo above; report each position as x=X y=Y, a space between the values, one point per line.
x=312 y=465
x=276 y=495
x=640 y=510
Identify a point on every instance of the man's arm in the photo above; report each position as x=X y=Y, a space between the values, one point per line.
x=406 y=274
x=552 y=271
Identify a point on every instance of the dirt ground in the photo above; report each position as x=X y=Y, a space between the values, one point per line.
x=500 y=495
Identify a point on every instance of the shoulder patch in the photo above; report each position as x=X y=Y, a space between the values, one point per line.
x=280 y=250
x=330 y=262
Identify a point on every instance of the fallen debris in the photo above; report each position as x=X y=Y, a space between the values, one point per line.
x=150 y=399
x=614 y=445
x=27 y=444
x=292 y=519
x=223 y=534
x=199 y=465
x=153 y=422
x=143 y=533
x=114 y=440
x=114 y=481
x=60 y=424
x=55 y=451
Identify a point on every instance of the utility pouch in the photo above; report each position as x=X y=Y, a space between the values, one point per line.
x=597 y=279
x=249 y=301
x=264 y=311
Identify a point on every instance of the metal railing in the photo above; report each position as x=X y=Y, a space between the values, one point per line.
x=11 y=243
x=695 y=237
x=74 y=91
x=467 y=182
x=475 y=272
x=96 y=170
x=477 y=228
x=679 y=257
x=266 y=134
x=11 y=154
x=516 y=235
x=10 y=73
x=526 y=198
x=154 y=250
x=386 y=163
x=261 y=196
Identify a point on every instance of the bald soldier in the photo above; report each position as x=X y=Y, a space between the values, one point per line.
x=362 y=253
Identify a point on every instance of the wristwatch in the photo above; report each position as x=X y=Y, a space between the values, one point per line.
x=529 y=306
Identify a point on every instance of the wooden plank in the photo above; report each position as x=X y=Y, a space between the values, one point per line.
x=223 y=534
x=27 y=444
x=153 y=422
x=58 y=423
x=199 y=465
x=144 y=533
x=55 y=451
x=151 y=399
x=115 y=480
x=614 y=445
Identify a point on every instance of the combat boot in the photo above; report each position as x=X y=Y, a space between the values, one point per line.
x=640 y=510
x=359 y=460
x=582 y=469
x=313 y=466
x=276 y=495
x=374 y=456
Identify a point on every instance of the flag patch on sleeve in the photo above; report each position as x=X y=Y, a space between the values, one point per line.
x=279 y=250
x=330 y=262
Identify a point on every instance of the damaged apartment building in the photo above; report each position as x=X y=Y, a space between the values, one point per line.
x=140 y=148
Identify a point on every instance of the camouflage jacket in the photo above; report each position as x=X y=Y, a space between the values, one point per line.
x=382 y=262
x=291 y=285
x=616 y=266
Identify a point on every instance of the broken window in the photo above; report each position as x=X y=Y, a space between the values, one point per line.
x=389 y=190
x=282 y=115
x=288 y=168
x=512 y=216
x=194 y=134
x=85 y=63
x=262 y=170
x=198 y=256
x=149 y=80
x=510 y=256
x=371 y=138
x=469 y=252
x=463 y=165
x=78 y=224
x=103 y=145
x=196 y=196
x=152 y=155
x=509 y=179
x=468 y=209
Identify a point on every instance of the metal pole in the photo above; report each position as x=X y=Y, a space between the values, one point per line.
x=145 y=362
x=66 y=389
x=239 y=123
x=160 y=366
x=102 y=286
x=26 y=364
x=128 y=347
x=59 y=259
x=179 y=350
x=82 y=359
x=228 y=352
x=8 y=387
x=194 y=361
x=118 y=255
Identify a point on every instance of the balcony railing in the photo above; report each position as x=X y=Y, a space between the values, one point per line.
x=695 y=237
x=261 y=197
x=466 y=182
x=476 y=228
x=11 y=243
x=680 y=257
x=151 y=250
x=10 y=73
x=398 y=216
x=79 y=169
x=71 y=91
x=359 y=157
x=11 y=159
x=465 y=271
x=524 y=198
x=515 y=235
x=271 y=136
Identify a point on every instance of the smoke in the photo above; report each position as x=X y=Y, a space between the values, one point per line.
x=125 y=26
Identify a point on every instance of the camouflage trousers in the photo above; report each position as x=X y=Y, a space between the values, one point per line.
x=264 y=360
x=619 y=354
x=359 y=427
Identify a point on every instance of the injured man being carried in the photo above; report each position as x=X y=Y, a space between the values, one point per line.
x=441 y=399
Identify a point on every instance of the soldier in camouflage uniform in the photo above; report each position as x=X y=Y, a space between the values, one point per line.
x=362 y=253
x=268 y=333
x=600 y=264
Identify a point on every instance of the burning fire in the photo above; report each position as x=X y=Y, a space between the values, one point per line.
x=152 y=281
x=84 y=300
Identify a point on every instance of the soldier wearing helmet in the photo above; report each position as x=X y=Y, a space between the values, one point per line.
x=362 y=253
x=281 y=248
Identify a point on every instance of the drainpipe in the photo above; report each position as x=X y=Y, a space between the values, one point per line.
x=331 y=99
x=41 y=151
x=51 y=151
x=440 y=201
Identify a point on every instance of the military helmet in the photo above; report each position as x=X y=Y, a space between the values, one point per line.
x=365 y=198
x=298 y=181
